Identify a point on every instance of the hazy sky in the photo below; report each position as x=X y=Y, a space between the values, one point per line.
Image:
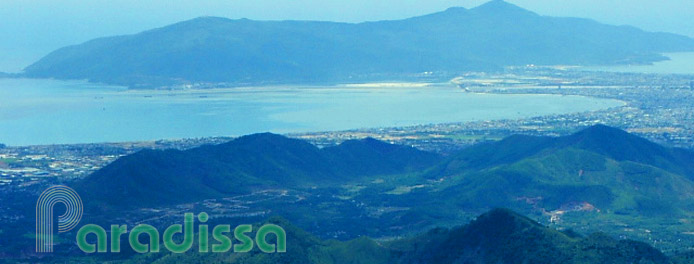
x=31 y=29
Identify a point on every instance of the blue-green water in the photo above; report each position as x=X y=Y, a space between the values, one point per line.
x=679 y=63
x=52 y=112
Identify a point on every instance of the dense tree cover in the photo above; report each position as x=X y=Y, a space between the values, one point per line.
x=614 y=171
x=164 y=177
x=606 y=167
x=498 y=236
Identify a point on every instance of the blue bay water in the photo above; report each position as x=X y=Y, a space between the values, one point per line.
x=58 y=112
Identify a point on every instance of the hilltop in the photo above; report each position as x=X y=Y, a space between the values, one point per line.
x=167 y=177
x=602 y=166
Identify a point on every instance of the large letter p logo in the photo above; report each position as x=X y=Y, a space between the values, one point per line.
x=44 y=214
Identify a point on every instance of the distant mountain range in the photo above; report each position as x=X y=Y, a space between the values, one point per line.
x=165 y=177
x=236 y=52
x=603 y=167
x=602 y=175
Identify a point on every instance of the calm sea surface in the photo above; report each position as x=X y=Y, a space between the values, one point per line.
x=52 y=112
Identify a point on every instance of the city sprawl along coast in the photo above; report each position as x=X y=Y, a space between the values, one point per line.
x=656 y=106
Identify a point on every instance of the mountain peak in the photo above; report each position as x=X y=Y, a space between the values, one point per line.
x=601 y=136
x=612 y=143
x=202 y=21
x=501 y=7
x=264 y=138
x=194 y=24
x=269 y=144
x=623 y=146
x=261 y=136
x=600 y=131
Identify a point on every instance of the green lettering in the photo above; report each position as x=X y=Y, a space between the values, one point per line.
x=100 y=239
x=240 y=235
x=138 y=247
x=224 y=241
x=116 y=232
x=187 y=243
x=279 y=234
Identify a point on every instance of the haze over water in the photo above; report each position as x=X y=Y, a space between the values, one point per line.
x=679 y=63
x=55 y=112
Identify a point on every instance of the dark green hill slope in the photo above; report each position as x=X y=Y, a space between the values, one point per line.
x=606 y=141
x=164 y=177
x=499 y=236
x=211 y=49
x=502 y=236
x=367 y=157
x=605 y=167
x=622 y=146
